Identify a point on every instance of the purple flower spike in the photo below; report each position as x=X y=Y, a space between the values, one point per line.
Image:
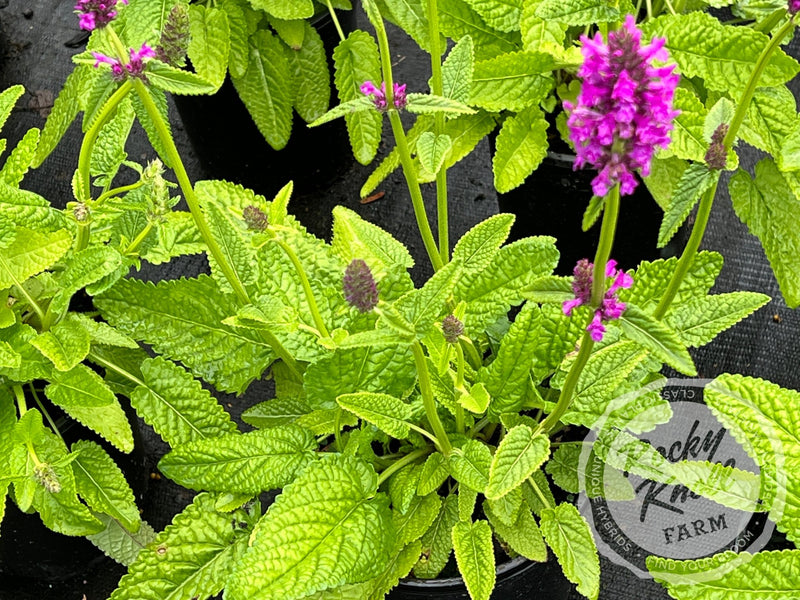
x=93 y=14
x=134 y=68
x=794 y=7
x=624 y=110
x=378 y=95
x=610 y=308
x=359 y=286
x=452 y=328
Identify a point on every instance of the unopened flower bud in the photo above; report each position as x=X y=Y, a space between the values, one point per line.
x=452 y=328
x=80 y=212
x=360 y=290
x=174 y=42
x=717 y=155
x=255 y=218
x=46 y=475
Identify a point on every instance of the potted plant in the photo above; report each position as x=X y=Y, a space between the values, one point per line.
x=408 y=422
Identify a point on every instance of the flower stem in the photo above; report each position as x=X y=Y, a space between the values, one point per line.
x=706 y=202
x=134 y=245
x=429 y=401
x=460 y=363
x=18 y=284
x=539 y=493
x=19 y=394
x=335 y=19
x=117 y=191
x=406 y=460
x=312 y=303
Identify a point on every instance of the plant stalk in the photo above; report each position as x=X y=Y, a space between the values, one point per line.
x=312 y=303
x=406 y=460
x=429 y=401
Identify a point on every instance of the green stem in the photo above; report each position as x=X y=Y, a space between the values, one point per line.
x=139 y=239
x=45 y=413
x=312 y=303
x=117 y=369
x=474 y=356
x=423 y=432
x=116 y=192
x=19 y=394
x=429 y=401
x=545 y=502
x=335 y=20
x=407 y=459
x=437 y=87
x=477 y=427
x=704 y=210
x=337 y=430
x=18 y=285
x=459 y=385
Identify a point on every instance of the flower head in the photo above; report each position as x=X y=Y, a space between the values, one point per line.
x=610 y=307
x=174 y=42
x=133 y=68
x=46 y=476
x=96 y=13
x=624 y=110
x=716 y=155
x=794 y=7
x=452 y=328
x=378 y=95
x=359 y=286
x=255 y=218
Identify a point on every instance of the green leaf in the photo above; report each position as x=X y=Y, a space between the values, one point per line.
x=503 y=15
x=434 y=473
x=143 y=20
x=351 y=107
x=311 y=77
x=699 y=321
x=467 y=498
x=31 y=253
x=457 y=71
x=512 y=81
x=412 y=17
x=508 y=507
x=723 y=56
x=417 y=519
x=20 y=159
x=577 y=12
x=517 y=457
x=120 y=544
x=387 y=413
x=239 y=54
x=438 y=540
x=521 y=146
x=356 y=60
x=353 y=237
x=770 y=119
x=696 y=180
x=108 y=152
x=568 y=534
x=475 y=557
x=593 y=212
x=524 y=536
x=756 y=203
x=176 y=405
x=291 y=32
x=209 y=43
x=27 y=209
x=102 y=485
x=286 y=9
x=403 y=487
x=65 y=109
x=181 y=321
x=479 y=245
x=422 y=307
x=457 y=20
x=82 y=269
x=248 y=463
x=431 y=104
x=762 y=576
x=8 y=99
x=275 y=412
x=541 y=35
x=789 y=155
x=432 y=151
x=147 y=123
x=265 y=88
x=85 y=397
x=176 y=235
x=326 y=529
x=660 y=339
x=32 y=365
x=177 y=81
x=191 y=558
x=66 y=344
x=470 y=466
x=687 y=139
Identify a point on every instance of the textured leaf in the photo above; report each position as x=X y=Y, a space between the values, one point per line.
x=181 y=321
x=27 y=209
x=422 y=307
x=431 y=104
x=696 y=180
x=438 y=540
x=8 y=99
x=770 y=119
x=475 y=557
x=688 y=139
x=175 y=404
x=20 y=159
x=723 y=56
x=557 y=337
x=108 y=152
x=577 y=12
x=177 y=235
x=209 y=43
x=160 y=100
x=102 y=485
x=286 y=9
x=699 y=321
x=568 y=534
x=248 y=463
x=464 y=132
x=789 y=156
x=503 y=15
x=412 y=17
x=479 y=245
x=432 y=151
x=31 y=253
x=467 y=498
x=756 y=203
x=417 y=519
x=66 y=344
x=143 y=20
x=517 y=457
x=312 y=79
x=470 y=467
x=82 y=269
x=326 y=529
x=434 y=473
x=239 y=54
x=658 y=338
x=512 y=81
x=403 y=487
x=65 y=109
x=264 y=88
x=356 y=60
x=540 y=35
x=118 y=543
x=351 y=107
x=177 y=81
x=457 y=71
x=353 y=237
x=457 y=20
x=524 y=536
x=191 y=558
x=85 y=397
x=275 y=412
x=521 y=146
x=32 y=365
x=387 y=413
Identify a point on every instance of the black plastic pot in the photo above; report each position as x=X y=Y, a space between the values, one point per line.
x=552 y=201
x=229 y=146
x=519 y=579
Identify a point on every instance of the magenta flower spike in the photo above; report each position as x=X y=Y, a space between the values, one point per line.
x=610 y=308
x=378 y=95
x=624 y=110
x=133 y=68
x=794 y=7
x=93 y=14
x=359 y=286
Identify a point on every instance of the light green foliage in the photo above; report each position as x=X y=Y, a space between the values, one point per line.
x=558 y=335
x=467 y=498
x=475 y=557
x=699 y=321
x=66 y=344
x=177 y=81
x=265 y=88
x=275 y=412
x=312 y=81
x=757 y=202
x=160 y=100
x=524 y=536
x=512 y=81
x=101 y=332
x=353 y=237
x=725 y=485
x=176 y=235
x=457 y=71
x=432 y=151
x=434 y=472
x=209 y=43
x=417 y=519
x=8 y=99
x=789 y=156
x=247 y=463
x=86 y=398
x=27 y=209
x=175 y=404
x=101 y=89
x=521 y=146
x=286 y=9
x=479 y=245
x=326 y=529
x=120 y=544
x=65 y=109
x=31 y=364
x=31 y=253
x=430 y=104
x=539 y=34
x=403 y=487
x=291 y=32
x=20 y=159
x=470 y=466
x=517 y=457
x=766 y=575
x=568 y=534
x=351 y=107
x=464 y=132
x=457 y=19
x=723 y=56
x=356 y=60
x=506 y=508
x=424 y=306
x=82 y=269
x=657 y=337
x=688 y=140
x=387 y=413
x=239 y=52
x=577 y=12
x=438 y=540
x=770 y=119
x=412 y=17
x=694 y=182
x=181 y=321
x=102 y=485
x=567 y=469
x=503 y=15
x=108 y=152
x=665 y=173
x=191 y=558
x=142 y=20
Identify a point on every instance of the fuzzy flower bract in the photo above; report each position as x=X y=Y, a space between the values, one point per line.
x=133 y=68
x=378 y=95
x=610 y=307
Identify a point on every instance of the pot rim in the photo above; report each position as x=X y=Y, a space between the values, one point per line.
x=505 y=568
